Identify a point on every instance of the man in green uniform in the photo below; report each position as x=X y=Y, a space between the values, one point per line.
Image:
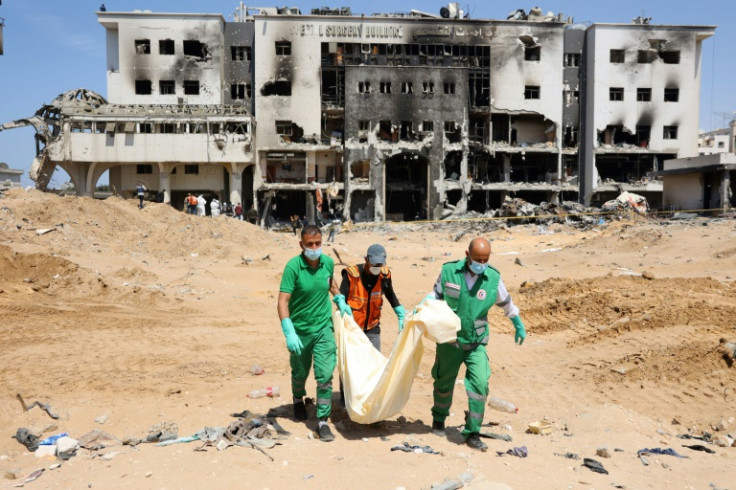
x=306 y=319
x=470 y=287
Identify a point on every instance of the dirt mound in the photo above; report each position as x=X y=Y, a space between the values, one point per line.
x=86 y=225
x=607 y=306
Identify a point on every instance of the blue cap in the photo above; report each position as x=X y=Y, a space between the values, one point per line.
x=376 y=254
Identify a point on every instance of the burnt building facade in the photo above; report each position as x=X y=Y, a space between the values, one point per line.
x=388 y=116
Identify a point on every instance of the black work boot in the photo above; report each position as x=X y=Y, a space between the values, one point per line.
x=438 y=428
x=474 y=441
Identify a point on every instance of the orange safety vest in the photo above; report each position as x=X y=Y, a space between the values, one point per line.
x=366 y=306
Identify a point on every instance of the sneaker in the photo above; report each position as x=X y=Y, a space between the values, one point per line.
x=438 y=428
x=325 y=434
x=300 y=411
x=474 y=441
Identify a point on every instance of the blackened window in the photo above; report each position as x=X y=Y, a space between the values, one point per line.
x=283 y=48
x=143 y=168
x=617 y=56
x=364 y=87
x=407 y=88
x=364 y=125
x=143 y=87
x=240 y=53
x=284 y=127
x=670 y=133
x=385 y=87
x=616 y=94
x=194 y=48
x=191 y=87
x=427 y=126
x=572 y=59
x=449 y=88
x=191 y=169
x=531 y=92
x=644 y=94
x=166 y=87
x=237 y=91
x=143 y=46
x=670 y=57
x=166 y=46
x=671 y=94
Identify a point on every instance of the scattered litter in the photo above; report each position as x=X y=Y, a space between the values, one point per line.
x=408 y=448
x=699 y=447
x=43 y=231
x=66 y=447
x=603 y=452
x=518 y=261
x=97 y=439
x=547 y=250
x=102 y=419
x=594 y=465
x=657 y=450
x=33 y=476
x=52 y=439
x=568 y=455
x=163 y=431
x=492 y=435
x=541 y=427
x=27 y=438
x=37 y=403
x=521 y=452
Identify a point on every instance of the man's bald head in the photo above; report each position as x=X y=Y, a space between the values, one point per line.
x=480 y=246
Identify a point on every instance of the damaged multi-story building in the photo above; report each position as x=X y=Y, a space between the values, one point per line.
x=387 y=116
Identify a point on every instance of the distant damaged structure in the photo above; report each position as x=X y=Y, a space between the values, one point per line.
x=389 y=116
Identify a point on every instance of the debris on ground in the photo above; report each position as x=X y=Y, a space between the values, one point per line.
x=408 y=448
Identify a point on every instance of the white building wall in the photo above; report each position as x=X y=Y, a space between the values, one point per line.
x=631 y=75
x=125 y=65
x=510 y=72
x=685 y=191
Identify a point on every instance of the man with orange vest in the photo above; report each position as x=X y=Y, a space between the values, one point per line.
x=364 y=286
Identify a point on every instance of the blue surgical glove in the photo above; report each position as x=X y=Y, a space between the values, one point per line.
x=339 y=300
x=520 y=331
x=400 y=314
x=293 y=342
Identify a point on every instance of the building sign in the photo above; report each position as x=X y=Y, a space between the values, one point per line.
x=361 y=31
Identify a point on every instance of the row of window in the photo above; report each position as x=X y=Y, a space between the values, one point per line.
x=238 y=91
x=644 y=94
x=643 y=56
x=190 y=47
x=364 y=87
x=147 y=169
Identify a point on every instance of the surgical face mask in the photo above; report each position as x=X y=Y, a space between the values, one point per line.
x=375 y=270
x=312 y=253
x=477 y=267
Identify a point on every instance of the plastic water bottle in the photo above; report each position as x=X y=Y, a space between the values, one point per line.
x=256 y=370
x=270 y=391
x=502 y=405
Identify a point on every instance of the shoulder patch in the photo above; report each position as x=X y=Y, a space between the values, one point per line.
x=353 y=271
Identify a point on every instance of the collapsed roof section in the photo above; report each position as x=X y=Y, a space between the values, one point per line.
x=80 y=107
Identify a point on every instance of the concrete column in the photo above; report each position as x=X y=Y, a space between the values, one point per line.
x=507 y=167
x=236 y=184
x=164 y=183
x=553 y=197
x=78 y=173
x=725 y=190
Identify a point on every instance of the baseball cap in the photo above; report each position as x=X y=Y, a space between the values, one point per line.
x=376 y=254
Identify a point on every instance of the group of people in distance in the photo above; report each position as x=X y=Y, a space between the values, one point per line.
x=469 y=286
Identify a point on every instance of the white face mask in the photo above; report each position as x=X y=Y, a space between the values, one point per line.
x=375 y=270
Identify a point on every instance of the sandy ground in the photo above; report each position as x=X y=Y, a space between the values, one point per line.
x=142 y=317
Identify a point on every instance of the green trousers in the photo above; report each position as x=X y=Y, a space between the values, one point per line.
x=447 y=364
x=319 y=346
